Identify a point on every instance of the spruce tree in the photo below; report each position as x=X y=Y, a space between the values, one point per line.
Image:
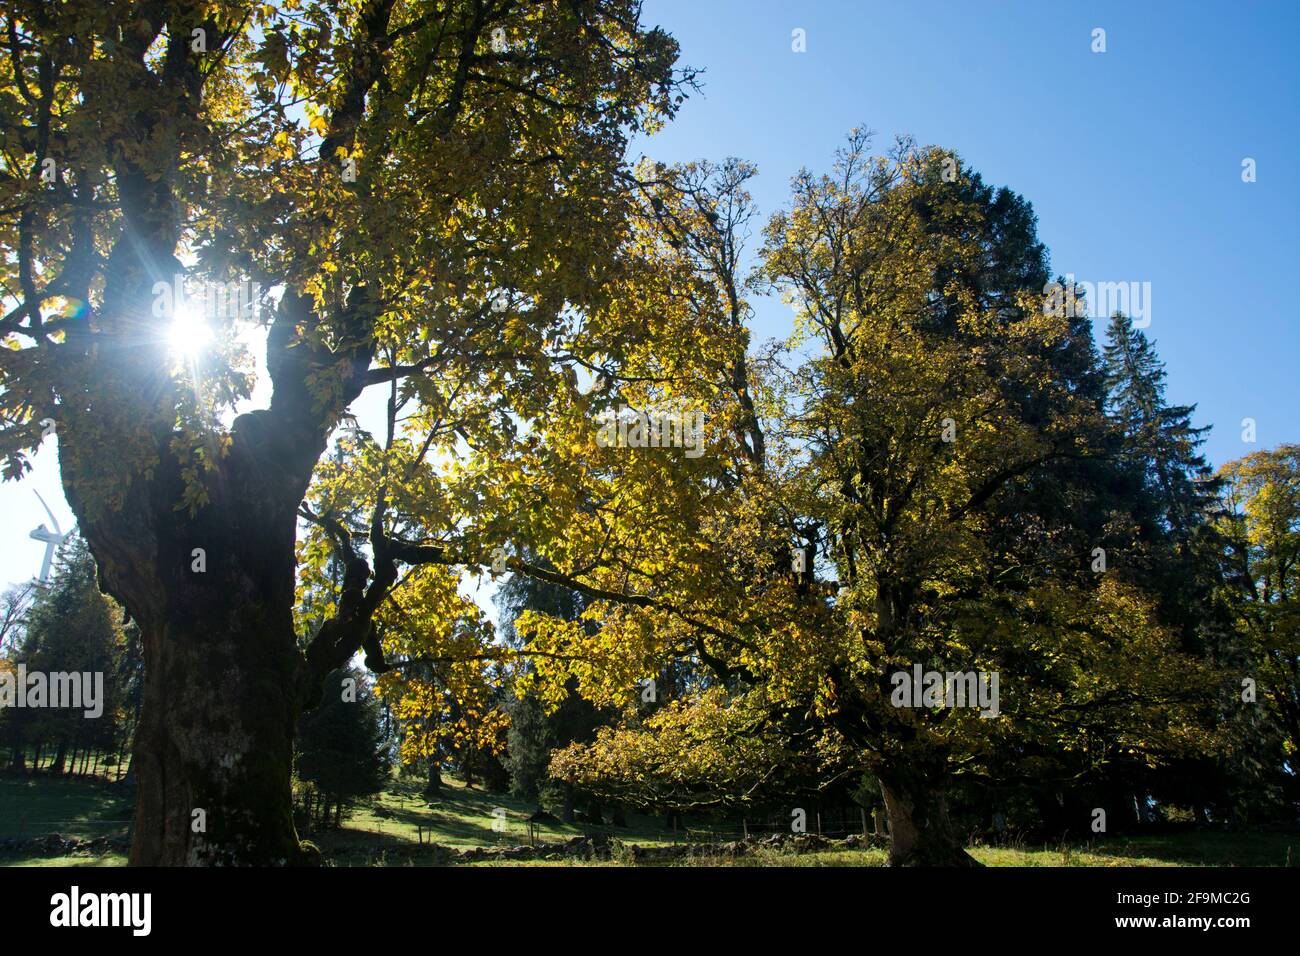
x=534 y=733
x=1174 y=489
x=1160 y=440
x=341 y=750
x=73 y=628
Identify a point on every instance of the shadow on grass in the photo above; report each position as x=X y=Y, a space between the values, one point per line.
x=349 y=847
x=461 y=816
x=38 y=804
x=1210 y=849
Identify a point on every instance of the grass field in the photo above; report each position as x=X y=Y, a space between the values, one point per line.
x=82 y=809
x=397 y=827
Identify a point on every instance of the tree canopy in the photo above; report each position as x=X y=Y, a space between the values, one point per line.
x=937 y=473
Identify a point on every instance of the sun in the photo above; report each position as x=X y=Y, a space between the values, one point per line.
x=188 y=335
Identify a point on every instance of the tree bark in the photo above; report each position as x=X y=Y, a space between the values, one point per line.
x=217 y=737
x=920 y=831
x=224 y=678
x=433 y=788
x=212 y=590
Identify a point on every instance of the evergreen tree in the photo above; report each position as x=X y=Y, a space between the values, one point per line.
x=534 y=733
x=341 y=750
x=1160 y=440
x=130 y=681
x=1174 y=494
x=1171 y=491
x=71 y=628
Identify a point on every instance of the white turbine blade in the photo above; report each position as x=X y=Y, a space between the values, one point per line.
x=53 y=520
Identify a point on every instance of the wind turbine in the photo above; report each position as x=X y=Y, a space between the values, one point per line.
x=52 y=539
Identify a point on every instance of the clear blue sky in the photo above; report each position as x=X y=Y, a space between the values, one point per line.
x=1132 y=159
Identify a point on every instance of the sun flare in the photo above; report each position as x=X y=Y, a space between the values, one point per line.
x=188 y=335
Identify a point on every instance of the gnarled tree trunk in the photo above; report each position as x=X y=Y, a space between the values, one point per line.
x=215 y=746
x=912 y=780
x=212 y=589
x=224 y=677
x=920 y=831
x=198 y=545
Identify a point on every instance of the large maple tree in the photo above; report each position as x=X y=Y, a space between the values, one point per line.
x=423 y=192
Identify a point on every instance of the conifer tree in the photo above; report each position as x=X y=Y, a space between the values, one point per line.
x=1160 y=439
x=341 y=750
x=71 y=628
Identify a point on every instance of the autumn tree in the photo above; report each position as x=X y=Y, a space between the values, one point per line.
x=535 y=732
x=1260 y=524
x=14 y=605
x=954 y=425
x=1173 y=495
x=400 y=194
x=858 y=512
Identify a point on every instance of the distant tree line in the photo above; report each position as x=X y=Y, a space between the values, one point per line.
x=68 y=626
